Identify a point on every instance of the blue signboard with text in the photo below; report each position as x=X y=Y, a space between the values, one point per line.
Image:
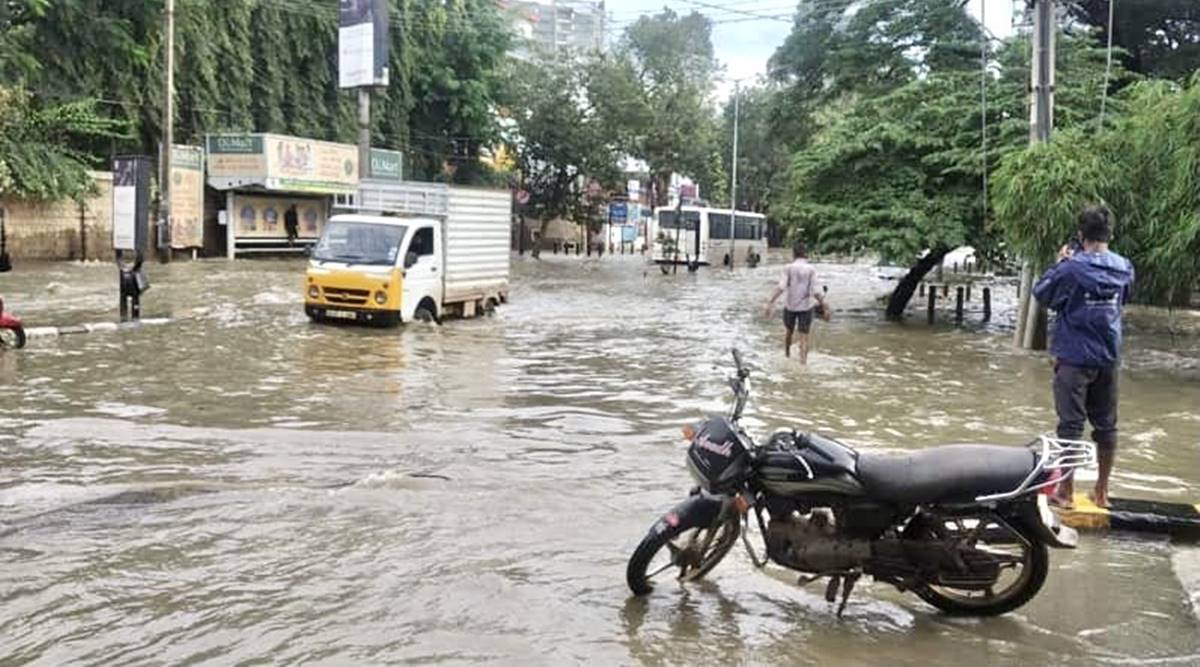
x=618 y=212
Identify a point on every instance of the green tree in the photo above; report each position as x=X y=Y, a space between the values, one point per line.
x=1156 y=38
x=36 y=157
x=562 y=145
x=268 y=66
x=1144 y=167
x=901 y=174
x=653 y=91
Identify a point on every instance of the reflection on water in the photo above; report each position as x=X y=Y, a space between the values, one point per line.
x=241 y=484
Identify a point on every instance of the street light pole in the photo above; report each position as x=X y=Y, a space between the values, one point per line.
x=733 y=178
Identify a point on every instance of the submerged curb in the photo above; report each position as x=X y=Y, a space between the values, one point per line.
x=1178 y=520
x=97 y=327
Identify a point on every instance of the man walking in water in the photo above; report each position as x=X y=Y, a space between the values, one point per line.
x=1087 y=289
x=799 y=281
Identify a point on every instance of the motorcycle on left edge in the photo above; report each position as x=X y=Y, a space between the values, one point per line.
x=965 y=527
x=12 y=331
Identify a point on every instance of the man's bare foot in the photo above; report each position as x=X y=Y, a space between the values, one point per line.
x=1100 y=497
x=1061 y=502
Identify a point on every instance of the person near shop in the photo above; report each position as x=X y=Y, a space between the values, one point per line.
x=799 y=283
x=291 y=223
x=1087 y=289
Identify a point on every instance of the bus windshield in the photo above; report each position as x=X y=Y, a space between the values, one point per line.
x=360 y=243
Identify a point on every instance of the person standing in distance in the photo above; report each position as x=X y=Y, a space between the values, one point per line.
x=1087 y=289
x=799 y=282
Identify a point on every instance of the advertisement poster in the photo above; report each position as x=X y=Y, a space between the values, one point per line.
x=187 y=197
x=386 y=165
x=278 y=162
x=263 y=217
x=362 y=43
x=131 y=186
x=307 y=165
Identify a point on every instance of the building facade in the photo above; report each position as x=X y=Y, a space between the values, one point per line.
x=555 y=26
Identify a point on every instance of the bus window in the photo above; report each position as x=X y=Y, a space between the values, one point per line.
x=718 y=226
x=691 y=220
x=747 y=228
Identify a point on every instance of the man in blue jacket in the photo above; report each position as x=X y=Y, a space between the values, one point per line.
x=1087 y=288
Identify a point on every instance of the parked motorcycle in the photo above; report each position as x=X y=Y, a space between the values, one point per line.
x=965 y=527
x=12 y=332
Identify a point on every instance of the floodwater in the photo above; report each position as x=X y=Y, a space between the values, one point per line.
x=240 y=486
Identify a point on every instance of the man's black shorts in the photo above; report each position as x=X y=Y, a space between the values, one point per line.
x=1086 y=393
x=798 y=319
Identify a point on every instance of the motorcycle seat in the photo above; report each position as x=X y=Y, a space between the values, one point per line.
x=952 y=473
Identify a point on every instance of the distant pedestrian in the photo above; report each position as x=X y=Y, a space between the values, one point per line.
x=799 y=282
x=291 y=223
x=1087 y=289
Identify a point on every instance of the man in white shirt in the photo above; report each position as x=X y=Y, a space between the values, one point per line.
x=799 y=282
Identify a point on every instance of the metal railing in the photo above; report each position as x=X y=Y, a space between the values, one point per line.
x=429 y=199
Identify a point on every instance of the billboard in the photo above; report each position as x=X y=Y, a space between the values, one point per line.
x=262 y=217
x=130 y=201
x=187 y=197
x=362 y=43
x=289 y=164
x=386 y=165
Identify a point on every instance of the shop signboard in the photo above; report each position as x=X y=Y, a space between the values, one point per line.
x=362 y=43
x=187 y=197
x=386 y=165
x=284 y=164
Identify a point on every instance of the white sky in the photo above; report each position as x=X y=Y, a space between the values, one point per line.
x=743 y=43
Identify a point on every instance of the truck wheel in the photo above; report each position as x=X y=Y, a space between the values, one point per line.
x=425 y=312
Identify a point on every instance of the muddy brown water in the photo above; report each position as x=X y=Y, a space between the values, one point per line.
x=238 y=486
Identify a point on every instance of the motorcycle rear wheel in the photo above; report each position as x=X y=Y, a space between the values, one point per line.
x=691 y=550
x=1034 y=564
x=13 y=338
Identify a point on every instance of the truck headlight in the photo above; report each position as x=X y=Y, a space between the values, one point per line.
x=380 y=297
x=314 y=292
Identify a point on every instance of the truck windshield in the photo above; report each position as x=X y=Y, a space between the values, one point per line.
x=360 y=243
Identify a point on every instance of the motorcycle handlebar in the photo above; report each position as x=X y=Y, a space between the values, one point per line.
x=741 y=367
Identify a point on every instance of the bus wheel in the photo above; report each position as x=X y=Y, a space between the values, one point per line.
x=664 y=268
x=725 y=262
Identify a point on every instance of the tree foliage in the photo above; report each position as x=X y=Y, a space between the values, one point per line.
x=36 y=157
x=654 y=90
x=268 y=66
x=566 y=154
x=1157 y=38
x=1146 y=167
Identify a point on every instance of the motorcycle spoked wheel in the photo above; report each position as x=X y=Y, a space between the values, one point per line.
x=689 y=550
x=12 y=338
x=1023 y=567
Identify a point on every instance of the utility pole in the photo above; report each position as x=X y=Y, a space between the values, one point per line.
x=168 y=132
x=364 y=131
x=733 y=179
x=1031 y=316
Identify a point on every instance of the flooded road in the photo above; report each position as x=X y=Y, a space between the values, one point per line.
x=243 y=486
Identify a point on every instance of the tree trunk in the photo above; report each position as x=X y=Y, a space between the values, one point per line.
x=908 y=284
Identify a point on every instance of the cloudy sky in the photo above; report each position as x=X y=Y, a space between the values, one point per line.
x=744 y=43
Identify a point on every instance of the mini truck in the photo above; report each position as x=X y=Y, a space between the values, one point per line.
x=399 y=252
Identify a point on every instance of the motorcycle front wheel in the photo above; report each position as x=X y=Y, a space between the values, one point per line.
x=689 y=551
x=14 y=337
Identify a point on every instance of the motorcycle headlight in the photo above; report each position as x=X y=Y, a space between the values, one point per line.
x=380 y=297
x=314 y=291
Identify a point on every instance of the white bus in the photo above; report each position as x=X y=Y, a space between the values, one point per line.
x=702 y=237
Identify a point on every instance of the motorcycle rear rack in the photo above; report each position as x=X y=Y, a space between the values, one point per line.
x=1056 y=454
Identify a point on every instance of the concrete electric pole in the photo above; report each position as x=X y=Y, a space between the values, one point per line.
x=168 y=133
x=1031 y=316
x=733 y=178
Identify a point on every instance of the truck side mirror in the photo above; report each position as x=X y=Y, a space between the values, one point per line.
x=410 y=258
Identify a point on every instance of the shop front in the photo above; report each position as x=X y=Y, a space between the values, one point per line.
x=270 y=180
